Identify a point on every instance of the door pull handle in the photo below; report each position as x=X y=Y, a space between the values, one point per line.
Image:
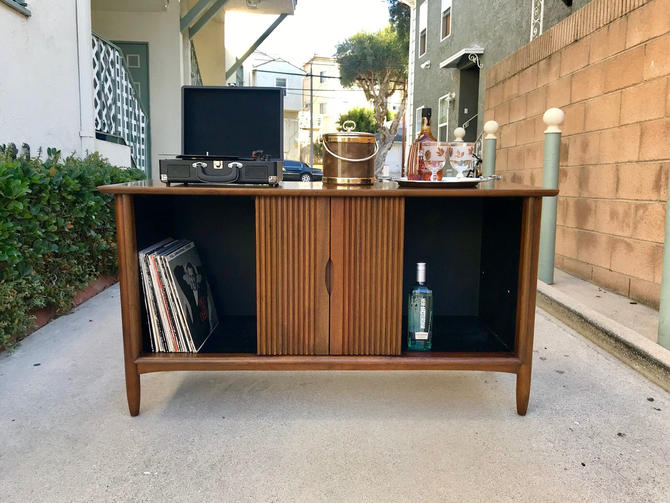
x=329 y=275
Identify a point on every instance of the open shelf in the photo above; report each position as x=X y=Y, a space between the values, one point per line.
x=471 y=248
x=223 y=230
x=463 y=334
x=234 y=334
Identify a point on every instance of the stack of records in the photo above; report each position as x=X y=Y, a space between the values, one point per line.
x=180 y=309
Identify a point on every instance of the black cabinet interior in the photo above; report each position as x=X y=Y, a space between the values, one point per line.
x=471 y=248
x=470 y=245
x=223 y=229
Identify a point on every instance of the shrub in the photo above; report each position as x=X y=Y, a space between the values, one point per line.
x=363 y=117
x=57 y=232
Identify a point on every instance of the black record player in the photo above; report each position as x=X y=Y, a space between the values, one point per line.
x=230 y=135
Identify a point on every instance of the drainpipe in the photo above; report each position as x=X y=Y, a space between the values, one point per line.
x=85 y=65
x=664 y=310
x=552 y=150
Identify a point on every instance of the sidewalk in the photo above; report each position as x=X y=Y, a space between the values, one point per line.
x=624 y=328
x=638 y=317
x=595 y=431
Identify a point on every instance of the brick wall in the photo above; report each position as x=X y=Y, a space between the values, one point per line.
x=608 y=67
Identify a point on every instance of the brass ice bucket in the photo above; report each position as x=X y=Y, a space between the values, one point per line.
x=349 y=156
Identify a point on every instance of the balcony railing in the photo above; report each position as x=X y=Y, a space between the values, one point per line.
x=118 y=110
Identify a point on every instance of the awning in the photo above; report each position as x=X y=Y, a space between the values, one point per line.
x=462 y=57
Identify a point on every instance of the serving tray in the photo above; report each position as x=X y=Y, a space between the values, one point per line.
x=451 y=182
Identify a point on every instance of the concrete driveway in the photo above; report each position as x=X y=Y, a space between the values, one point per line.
x=595 y=430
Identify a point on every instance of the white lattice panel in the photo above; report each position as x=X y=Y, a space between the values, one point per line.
x=118 y=110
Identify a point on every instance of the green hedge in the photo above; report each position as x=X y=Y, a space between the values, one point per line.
x=57 y=232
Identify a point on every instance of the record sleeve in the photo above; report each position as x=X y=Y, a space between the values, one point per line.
x=195 y=297
x=153 y=319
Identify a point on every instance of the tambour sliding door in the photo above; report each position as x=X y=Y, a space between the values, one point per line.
x=366 y=249
x=329 y=275
x=292 y=252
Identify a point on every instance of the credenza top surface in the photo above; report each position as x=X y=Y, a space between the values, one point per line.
x=317 y=189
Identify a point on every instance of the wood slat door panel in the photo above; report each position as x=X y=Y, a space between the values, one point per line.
x=292 y=252
x=366 y=247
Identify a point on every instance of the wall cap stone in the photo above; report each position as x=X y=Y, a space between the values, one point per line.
x=553 y=118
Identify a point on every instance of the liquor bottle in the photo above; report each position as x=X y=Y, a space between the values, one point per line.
x=418 y=167
x=420 y=313
x=425 y=134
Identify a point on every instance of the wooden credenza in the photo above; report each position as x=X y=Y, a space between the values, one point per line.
x=309 y=277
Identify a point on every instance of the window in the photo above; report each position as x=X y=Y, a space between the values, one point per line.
x=323 y=108
x=280 y=82
x=446 y=18
x=133 y=60
x=443 y=118
x=423 y=26
x=322 y=77
x=19 y=5
x=417 y=121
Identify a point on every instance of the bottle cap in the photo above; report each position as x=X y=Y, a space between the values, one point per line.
x=421 y=272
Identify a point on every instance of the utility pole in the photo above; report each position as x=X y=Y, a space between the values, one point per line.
x=311 y=116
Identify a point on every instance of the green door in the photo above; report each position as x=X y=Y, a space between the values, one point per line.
x=136 y=55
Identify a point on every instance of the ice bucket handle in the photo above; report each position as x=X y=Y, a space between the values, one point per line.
x=325 y=145
x=349 y=126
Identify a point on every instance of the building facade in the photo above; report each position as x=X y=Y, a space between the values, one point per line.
x=270 y=71
x=454 y=42
x=108 y=79
x=330 y=98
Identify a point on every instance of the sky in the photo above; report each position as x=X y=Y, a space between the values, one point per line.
x=316 y=28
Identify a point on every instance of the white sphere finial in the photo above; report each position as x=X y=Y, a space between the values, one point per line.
x=491 y=128
x=459 y=134
x=553 y=118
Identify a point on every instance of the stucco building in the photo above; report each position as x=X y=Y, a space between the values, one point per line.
x=454 y=42
x=271 y=71
x=330 y=98
x=105 y=75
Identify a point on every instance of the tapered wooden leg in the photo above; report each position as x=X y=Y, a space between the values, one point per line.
x=133 y=391
x=522 y=389
x=530 y=239
x=130 y=301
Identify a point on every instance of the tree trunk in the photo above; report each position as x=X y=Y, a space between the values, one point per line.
x=385 y=140
x=386 y=134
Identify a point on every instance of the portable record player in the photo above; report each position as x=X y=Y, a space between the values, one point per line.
x=231 y=135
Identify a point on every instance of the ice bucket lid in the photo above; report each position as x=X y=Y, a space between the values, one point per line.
x=341 y=137
x=349 y=135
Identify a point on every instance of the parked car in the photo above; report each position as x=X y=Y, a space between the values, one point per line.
x=301 y=172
